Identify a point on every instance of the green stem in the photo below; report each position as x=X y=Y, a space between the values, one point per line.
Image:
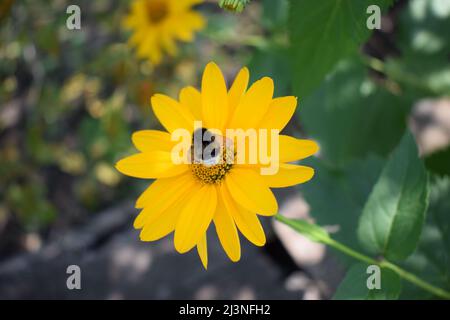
x=350 y=252
x=414 y=279
x=397 y=74
x=389 y=265
x=361 y=257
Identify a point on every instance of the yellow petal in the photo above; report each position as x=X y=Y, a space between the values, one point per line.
x=147 y=45
x=150 y=165
x=288 y=148
x=145 y=42
x=168 y=42
x=185 y=4
x=238 y=89
x=247 y=222
x=226 y=230
x=162 y=189
x=292 y=149
x=202 y=249
x=161 y=195
x=155 y=54
x=186 y=24
x=279 y=113
x=152 y=140
x=164 y=223
x=288 y=175
x=249 y=190
x=192 y=99
x=253 y=105
x=214 y=98
x=171 y=114
x=195 y=218
x=160 y=217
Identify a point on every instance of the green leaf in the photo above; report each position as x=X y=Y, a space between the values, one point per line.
x=432 y=257
x=351 y=117
x=337 y=196
x=422 y=38
x=439 y=162
x=322 y=34
x=275 y=13
x=393 y=216
x=310 y=230
x=272 y=63
x=354 y=286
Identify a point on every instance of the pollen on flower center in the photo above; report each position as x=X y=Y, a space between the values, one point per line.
x=210 y=174
x=157 y=10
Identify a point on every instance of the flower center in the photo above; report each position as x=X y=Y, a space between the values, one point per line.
x=211 y=160
x=157 y=10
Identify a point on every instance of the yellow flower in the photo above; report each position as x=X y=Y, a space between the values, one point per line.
x=157 y=24
x=187 y=197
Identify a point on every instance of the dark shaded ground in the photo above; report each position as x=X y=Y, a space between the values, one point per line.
x=116 y=265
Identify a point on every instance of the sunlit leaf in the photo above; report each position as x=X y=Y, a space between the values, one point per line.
x=393 y=216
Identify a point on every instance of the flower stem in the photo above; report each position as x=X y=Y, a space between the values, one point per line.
x=415 y=280
x=364 y=258
x=396 y=73
x=350 y=252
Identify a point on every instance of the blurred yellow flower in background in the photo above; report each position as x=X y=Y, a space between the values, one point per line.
x=157 y=24
x=187 y=197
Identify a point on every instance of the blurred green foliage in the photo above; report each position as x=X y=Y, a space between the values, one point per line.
x=356 y=103
x=61 y=107
x=70 y=100
x=356 y=90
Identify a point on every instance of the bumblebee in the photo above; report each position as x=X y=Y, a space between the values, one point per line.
x=208 y=148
